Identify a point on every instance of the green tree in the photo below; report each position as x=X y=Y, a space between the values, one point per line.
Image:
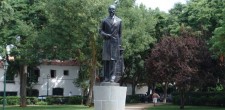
x=7 y=13
x=176 y=18
x=218 y=41
x=21 y=31
x=137 y=36
x=72 y=33
x=203 y=16
x=83 y=80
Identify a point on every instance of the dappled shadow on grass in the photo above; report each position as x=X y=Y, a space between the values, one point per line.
x=177 y=107
x=51 y=107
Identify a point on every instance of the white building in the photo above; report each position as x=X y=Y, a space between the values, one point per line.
x=54 y=78
x=12 y=87
x=56 y=75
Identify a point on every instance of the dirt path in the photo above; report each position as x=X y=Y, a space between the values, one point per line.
x=138 y=106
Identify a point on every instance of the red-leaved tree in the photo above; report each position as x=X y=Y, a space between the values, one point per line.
x=183 y=60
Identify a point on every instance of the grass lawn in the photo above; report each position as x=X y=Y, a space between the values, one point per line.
x=176 y=107
x=50 y=107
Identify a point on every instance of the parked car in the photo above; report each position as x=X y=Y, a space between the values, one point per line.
x=168 y=98
x=144 y=98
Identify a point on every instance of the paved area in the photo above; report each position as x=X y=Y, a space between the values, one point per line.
x=138 y=106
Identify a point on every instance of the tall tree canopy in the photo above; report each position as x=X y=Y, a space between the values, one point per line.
x=183 y=60
x=202 y=16
x=21 y=30
x=68 y=29
x=137 y=36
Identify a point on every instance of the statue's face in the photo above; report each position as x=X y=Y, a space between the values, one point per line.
x=112 y=10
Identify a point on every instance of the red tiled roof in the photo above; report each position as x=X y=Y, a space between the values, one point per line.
x=55 y=62
x=1 y=64
x=61 y=63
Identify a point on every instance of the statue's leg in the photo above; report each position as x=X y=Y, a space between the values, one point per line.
x=113 y=70
x=106 y=70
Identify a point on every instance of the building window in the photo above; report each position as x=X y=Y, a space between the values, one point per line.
x=53 y=73
x=57 y=91
x=13 y=93
x=66 y=73
x=36 y=75
x=10 y=75
x=37 y=72
x=32 y=92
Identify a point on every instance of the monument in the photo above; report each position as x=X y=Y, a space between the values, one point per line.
x=109 y=95
x=112 y=57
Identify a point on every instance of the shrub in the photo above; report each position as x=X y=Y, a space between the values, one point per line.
x=15 y=100
x=12 y=100
x=32 y=100
x=50 y=100
x=64 y=100
x=75 y=100
x=41 y=103
x=202 y=98
x=133 y=99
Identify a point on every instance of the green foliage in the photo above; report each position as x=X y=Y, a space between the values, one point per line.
x=175 y=107
x=6 y=12
x=59 y=29
x=71 y=24
x=138 y=26
x=202 y=98
x=218 y=41
x=41 y=103
x=12 y=100
x=133 y=99
x=175 y=19
x=75 y=100
x=64 y=100
x=137 y=36
x=202 y=16
x=15 y=100
x=32 y=100
x=51 y=107
x=219 y=87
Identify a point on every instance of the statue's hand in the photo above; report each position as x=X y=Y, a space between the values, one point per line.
x=105 y=37
x=108 y=36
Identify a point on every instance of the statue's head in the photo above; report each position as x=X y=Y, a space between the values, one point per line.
x=112 y=10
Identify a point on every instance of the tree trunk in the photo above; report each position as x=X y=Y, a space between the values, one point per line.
x=92 y=71
x=165 y=92
x=23 y=85
x=122 y=80
x=82 y=100
x=153 y=86
x=133 y=88
x=182 y=98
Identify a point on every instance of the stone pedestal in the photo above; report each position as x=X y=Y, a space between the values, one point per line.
x=109 y=96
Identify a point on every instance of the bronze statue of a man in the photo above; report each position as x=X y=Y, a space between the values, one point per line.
x=110 y=31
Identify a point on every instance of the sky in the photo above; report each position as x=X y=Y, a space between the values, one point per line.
x=163 y=5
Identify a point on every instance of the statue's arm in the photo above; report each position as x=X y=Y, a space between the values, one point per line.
x=120 y=34
x=102 y=33
x=120 y=29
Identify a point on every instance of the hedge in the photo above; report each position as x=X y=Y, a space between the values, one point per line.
x=15 y=100
x=65 y=100
x=201 y=98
